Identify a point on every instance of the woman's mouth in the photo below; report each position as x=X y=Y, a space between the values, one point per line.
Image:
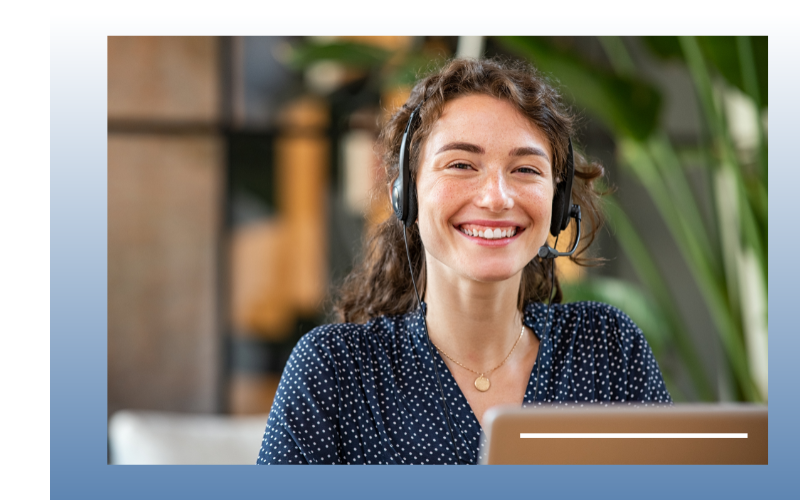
x=488 y=233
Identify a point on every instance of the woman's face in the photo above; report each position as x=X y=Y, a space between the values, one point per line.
x=485 y=190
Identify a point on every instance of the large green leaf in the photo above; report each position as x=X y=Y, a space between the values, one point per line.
x=352 y=54
x=647 y=271
x=387 y=69
x=626 y=104
x=723 y=53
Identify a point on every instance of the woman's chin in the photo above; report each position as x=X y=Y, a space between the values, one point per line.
x=493 y=275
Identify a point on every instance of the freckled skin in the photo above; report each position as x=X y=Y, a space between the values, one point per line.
x=458 y=186
x=472 y=171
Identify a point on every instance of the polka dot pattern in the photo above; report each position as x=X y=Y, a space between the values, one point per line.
x=367 y=394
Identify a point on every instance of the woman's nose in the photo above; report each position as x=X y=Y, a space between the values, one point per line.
x=495 y=194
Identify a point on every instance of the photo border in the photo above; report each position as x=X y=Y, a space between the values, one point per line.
x=78 y=339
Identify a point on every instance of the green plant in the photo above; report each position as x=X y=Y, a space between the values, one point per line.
x=727 y=258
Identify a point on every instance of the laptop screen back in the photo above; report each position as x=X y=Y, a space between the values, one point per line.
x=598 y=434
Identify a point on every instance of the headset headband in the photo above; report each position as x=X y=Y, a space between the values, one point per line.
x=404 y=195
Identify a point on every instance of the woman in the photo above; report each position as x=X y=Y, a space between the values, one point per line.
x=406 y=381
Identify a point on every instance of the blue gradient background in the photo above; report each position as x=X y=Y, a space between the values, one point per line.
x=79 y=341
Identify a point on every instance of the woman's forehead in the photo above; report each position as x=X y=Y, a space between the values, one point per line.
x=490 y=121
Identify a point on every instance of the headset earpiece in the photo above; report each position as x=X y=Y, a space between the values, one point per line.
x=404 y=194
x=563 y=210
x=562 y=199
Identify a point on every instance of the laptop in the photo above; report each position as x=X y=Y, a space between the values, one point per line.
x=575 y=433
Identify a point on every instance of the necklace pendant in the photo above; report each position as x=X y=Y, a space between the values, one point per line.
x=482 y=383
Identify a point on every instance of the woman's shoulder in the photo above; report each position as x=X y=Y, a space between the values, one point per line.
x=589 y=316
x=594 y=309
x=569 y=309
x=336 y=337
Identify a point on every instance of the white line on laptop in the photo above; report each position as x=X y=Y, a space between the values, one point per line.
x=633 y=435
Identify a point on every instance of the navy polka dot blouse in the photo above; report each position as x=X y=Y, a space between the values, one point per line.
x=367 y=394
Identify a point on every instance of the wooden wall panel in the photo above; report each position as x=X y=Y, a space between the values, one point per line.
x=302 y=160
x=164 y=211
x=163 y=78
x=260 y=273
x=302 y=176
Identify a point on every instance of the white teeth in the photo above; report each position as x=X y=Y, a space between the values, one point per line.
x=490 y=234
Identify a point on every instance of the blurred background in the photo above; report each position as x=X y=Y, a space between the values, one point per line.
x=239 y=179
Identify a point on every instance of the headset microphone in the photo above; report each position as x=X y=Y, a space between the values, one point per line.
x=548 y=252
x=563 y=211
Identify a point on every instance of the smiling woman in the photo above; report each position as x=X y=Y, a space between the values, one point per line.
x=487 y=145
x=485 y=170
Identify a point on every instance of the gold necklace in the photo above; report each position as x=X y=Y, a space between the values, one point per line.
x=482 y=382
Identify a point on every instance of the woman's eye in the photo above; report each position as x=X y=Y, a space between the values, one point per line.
x=528 y=170
x=461 y=166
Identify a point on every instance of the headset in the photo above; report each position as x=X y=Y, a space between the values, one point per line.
x=404 y=203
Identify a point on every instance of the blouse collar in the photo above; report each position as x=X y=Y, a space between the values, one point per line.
x=534 y=316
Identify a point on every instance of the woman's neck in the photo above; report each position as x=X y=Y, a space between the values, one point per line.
x=476 y=323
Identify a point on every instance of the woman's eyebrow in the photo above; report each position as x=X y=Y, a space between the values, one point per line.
x=463 y=146
x=526 y=151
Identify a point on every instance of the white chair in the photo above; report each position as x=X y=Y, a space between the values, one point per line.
x=162 y=438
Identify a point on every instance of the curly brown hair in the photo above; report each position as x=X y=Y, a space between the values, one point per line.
x=380 y=284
